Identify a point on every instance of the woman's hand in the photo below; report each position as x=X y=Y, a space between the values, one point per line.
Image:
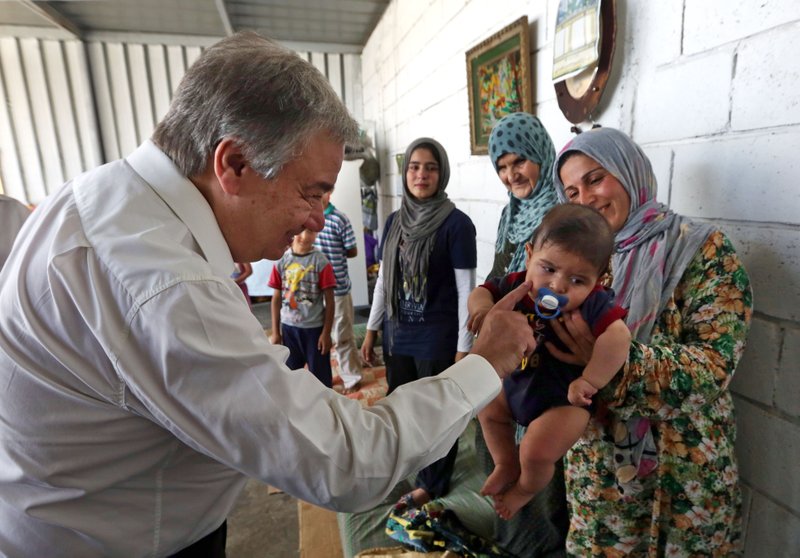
x=479 y=303
x=574 y=332
x=368 y=348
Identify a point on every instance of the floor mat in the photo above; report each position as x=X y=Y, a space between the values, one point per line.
x=373 y=384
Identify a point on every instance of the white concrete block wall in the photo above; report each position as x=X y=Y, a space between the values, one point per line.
x=710 y=23
x=662 y=42
x=763 y=354
x=764 y=93
x=696 y=88
x=771 y=464
x=787 y=388
x=772 y=530
x=710 y=89
x=707 y=170
x=771 y=255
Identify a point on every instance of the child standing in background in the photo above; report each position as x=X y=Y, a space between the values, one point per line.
x=303 y=306
x=567 y=255
x=242 y=271
x=338 y=242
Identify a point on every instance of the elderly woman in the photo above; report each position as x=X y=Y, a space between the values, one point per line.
x=522 y=154
x=427 y=271
x=669 y=487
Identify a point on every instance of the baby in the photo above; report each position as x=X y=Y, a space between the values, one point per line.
x=566 y=257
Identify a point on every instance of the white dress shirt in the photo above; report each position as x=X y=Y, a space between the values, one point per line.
x=137 y=390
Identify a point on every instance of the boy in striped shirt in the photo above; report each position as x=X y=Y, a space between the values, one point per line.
x=338 y=242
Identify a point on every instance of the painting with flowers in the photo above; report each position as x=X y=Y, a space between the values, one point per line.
x=498 y=80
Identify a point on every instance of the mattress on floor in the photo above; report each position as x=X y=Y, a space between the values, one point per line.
x=364 y=530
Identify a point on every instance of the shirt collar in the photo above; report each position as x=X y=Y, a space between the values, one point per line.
x=186 y=201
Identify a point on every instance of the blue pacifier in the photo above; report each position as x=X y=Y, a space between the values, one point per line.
x=549 y=304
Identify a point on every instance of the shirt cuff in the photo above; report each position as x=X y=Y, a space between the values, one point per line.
x=476 y=378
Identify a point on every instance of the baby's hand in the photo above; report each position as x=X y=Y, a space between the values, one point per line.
x=581 y=392
x=275 y=338
x=476 y=320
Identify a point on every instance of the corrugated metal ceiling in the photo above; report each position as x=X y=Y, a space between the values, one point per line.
x=347 y=23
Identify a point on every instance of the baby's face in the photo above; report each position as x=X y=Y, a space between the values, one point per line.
x=562 y=272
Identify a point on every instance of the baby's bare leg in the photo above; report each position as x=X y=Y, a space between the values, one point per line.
x=547 y=440
x=498 y=431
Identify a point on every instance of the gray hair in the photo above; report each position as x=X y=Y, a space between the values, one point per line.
x=257 y=92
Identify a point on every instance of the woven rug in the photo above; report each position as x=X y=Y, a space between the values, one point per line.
x=373 y=384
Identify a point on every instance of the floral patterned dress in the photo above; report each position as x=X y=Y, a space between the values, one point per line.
x=690 y=504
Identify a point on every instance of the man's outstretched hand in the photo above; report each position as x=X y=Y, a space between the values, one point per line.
x=505 y=336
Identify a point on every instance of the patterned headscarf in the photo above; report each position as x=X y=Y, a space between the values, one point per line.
x=522 y=134
x=416 y=225
x=655 y=245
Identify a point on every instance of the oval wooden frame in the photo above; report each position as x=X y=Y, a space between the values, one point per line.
x=576 y=110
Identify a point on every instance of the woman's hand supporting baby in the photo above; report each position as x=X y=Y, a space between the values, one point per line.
x=479 y=303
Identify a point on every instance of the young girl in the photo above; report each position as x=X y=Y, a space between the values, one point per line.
x=566 y=257
x=427 y=271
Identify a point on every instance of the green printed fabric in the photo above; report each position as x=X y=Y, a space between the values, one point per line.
x=690 y=504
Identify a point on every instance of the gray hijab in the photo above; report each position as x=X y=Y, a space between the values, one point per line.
x=412 y=237
x=655 y=245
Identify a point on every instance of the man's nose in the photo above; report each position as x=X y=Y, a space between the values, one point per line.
x=316 y=220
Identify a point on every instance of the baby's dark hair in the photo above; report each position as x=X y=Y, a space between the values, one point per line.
x=578 y=229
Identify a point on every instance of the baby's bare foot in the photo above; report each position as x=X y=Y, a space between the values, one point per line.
x=499 y=480
x=507 y=504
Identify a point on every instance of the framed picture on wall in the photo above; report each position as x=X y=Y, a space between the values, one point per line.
x=498 y=81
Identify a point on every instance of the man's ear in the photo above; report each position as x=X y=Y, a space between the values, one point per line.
x=229 y=165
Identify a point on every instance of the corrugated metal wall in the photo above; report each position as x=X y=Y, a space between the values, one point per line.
x=67 y=106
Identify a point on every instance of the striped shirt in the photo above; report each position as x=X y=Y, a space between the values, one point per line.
x=334 y=241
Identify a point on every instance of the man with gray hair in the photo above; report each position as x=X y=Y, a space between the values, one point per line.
x=138 y=391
